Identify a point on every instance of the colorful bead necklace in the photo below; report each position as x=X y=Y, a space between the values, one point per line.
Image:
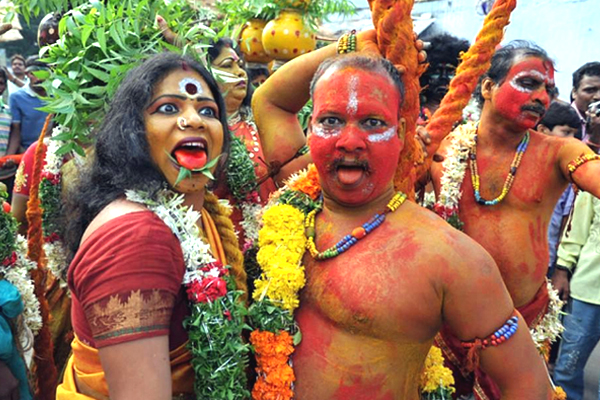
x=509 y=178
x=357 y=233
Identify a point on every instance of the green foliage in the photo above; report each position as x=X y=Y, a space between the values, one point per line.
x=440 y=394
x=305 y=114
x=50 y=203
x=8 y=230
x=219 y=356
x=28 y=8
x=263 y=315
x=100 y=42
x=241 y=178
x=298 y=200
x=237 y=12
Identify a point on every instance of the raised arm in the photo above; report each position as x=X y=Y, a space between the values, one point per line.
x=477 y=304
x=276 y=103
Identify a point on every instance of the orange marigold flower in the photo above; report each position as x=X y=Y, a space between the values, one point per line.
x=308 y=183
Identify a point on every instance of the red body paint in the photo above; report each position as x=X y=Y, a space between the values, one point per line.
x=525 y=85
x=350 y=144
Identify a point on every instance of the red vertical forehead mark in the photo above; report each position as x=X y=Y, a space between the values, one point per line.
x=352 y=92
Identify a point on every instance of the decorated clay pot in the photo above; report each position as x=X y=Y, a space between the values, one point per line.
x=251 y=42
x=287 y=36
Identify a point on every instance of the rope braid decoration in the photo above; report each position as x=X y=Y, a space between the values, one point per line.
x=229 y=241
x=396 y=39
x=43 y=346
x=475 y=62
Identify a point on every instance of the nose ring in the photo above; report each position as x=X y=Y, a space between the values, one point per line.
x=182 y=123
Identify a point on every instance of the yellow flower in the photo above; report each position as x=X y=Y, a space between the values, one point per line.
x=282 y=244
x=435 y=375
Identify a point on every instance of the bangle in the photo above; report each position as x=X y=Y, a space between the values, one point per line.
x=579 y=161
x=347 y=43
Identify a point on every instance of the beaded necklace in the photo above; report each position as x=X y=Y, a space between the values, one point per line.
x=475 y=179
x=357 y=233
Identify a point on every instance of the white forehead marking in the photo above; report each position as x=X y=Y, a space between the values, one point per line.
x=186 y=83
x=325 y=133
x=352 y=108
x=383 y=137
x=534 y=73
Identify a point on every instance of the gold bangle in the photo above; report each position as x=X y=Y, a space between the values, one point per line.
x=579 y=161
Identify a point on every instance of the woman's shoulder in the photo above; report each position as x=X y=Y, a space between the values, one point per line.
x=115 y=212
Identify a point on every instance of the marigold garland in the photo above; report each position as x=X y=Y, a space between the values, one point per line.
x=275 y=375
x=436 y=380
x=282 y=244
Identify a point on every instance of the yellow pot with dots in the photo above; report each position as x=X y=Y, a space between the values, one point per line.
x=251 y=42
x=287 y=36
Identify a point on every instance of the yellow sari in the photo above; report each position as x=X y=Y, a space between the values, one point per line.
x=84 y=378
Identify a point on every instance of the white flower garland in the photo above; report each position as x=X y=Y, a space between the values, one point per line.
x=182 y=221
x=18 y=274
x=54 y=161
x=56 y=254
x=550 y=327
x=455 y=166
x=215 y=324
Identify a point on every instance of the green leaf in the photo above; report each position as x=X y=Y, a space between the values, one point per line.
x=86 y=31
x=115 y=36
x=66 y=148
x=72 y=27
x=103 y=76
x=297 y=338
x=102 y=39
x=63 y=136
x=184 y=173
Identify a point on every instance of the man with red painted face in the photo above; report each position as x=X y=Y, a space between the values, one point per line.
x=369 y=315
x=513 y=178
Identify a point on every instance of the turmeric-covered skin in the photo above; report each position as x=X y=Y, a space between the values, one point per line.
x=368 y=316
x=514 y=231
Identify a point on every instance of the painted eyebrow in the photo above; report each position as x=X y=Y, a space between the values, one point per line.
x=180 y=97
x=227 y=59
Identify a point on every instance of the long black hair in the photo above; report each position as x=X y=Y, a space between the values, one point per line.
x=121 y=158
x=213 y=52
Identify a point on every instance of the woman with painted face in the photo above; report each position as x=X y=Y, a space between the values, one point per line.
x=250 y=179
x=140 y=232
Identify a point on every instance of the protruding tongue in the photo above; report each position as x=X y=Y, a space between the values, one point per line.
x=349 y=176
x=191 y=159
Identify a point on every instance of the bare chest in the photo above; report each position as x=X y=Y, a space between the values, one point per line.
x=376 y=288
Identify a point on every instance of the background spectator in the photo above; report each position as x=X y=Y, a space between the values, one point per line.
x=27 y=119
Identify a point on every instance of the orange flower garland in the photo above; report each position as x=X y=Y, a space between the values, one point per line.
x=275 y=375
x=307 y=184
